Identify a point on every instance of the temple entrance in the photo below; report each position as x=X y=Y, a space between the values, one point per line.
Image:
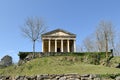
x=58 y=50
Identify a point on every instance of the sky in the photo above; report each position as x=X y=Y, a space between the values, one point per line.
x=77 y=16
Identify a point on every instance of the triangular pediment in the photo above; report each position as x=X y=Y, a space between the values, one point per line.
x=58 y=32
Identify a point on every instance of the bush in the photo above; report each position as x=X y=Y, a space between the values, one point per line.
x=23 y=55
x=110 y=76
x=6 y=61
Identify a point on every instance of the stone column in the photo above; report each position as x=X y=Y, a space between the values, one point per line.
x=42 y=45
x=68 y=46
x=61 y=45
x=55 y=45
x=49 y=43
x=74 y=45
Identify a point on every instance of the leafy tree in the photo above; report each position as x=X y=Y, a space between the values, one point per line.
x=6 y=61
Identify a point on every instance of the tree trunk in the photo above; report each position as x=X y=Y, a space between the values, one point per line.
x=113 y=47
x=106 y=48
x=33 y=48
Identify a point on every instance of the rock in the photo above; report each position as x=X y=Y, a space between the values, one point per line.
x=62 y=78
x=31 y=77
x=53 y=76
x=17 y=77
x=57 y=77
x=46 y=76
x=29 y=57
x=61 y=75
x=43 y=77
x=117 y=78
x=92 y=76
x=84 y=78
x=85 y=75
x=118 y=66
x=54 y=79
x=97 y=79
x=0 y=77
x=8 y=78
x=73 y=79
x=20 y=78
x=73 y=75
x=5 y=78
x=39 y=77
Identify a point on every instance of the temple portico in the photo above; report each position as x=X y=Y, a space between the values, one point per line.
x=58 y=41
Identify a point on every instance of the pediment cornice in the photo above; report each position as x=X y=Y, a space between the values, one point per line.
x=58 y=32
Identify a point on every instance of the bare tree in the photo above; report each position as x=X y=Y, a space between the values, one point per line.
x=89 y=44
x=102 y=40
x=105 y=36
x=79 y=48
x=33 y=28
x=117 y=45
x=100 y=44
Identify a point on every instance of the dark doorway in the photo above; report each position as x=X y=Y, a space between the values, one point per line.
x=58 y=49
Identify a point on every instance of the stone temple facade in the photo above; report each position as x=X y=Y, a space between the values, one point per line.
x=58 y=41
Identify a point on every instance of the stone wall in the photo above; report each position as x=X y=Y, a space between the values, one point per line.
x=58 y=77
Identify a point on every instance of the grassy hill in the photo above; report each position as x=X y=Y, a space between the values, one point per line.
x=57 y=65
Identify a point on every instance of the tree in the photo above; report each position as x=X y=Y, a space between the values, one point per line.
x=117 y=45
x=89 y=44
x=103 y=39
x=105 y=36
x=100 y=44
x=79 y=48
x=6 y=61
x=33 y=28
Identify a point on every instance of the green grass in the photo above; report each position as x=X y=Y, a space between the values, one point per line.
x=115 y=59
x=57 y=65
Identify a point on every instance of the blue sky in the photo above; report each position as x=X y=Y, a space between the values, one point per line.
x=76 y=16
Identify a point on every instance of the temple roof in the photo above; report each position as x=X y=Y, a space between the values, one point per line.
x=58 y=32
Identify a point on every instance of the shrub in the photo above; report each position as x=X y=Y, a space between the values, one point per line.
x=23 y=55
x=6 y=61
x=109 y=76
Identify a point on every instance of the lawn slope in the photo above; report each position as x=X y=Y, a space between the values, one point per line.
x=57 y=65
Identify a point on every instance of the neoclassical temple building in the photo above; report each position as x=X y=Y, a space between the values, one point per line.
x=58 y=41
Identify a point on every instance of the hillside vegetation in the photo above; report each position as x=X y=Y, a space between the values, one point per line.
x=57 y=65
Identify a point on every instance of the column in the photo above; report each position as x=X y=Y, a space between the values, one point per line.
x=68 y=47
x=55 y=45
x=42 y=45
x=74 y=45
x=61 y=45
x=49 y=43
